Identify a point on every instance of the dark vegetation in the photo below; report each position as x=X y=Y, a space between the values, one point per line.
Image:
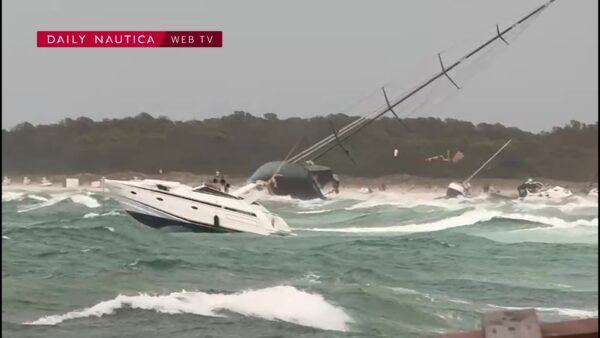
x=237 y=144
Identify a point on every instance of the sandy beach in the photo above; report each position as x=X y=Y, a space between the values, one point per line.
x=397 y=182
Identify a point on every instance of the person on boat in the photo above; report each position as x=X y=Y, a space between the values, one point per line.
x=227 y=186
x=212 y=184
x=529 y=186
x=336 y=184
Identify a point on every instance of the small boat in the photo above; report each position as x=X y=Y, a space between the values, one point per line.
x=365 y=190
x=159 y=204
x=45 y=182
x=536 y=190
x=456 y=189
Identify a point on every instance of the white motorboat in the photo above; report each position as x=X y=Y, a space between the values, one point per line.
x=535 y=190
x=158 y=204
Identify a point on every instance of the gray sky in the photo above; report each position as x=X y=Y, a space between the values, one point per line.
x=300 y=58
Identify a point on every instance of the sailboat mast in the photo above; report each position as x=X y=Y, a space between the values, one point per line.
x=364 y=121
x=486 y=162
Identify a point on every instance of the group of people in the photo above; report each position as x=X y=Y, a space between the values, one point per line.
x=219 y=183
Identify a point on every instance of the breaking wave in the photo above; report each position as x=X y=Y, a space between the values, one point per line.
x=110 y=213
x=284 y=303
x=78 y=198
x=470 y=217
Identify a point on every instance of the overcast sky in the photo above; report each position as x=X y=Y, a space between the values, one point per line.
x=300 y=58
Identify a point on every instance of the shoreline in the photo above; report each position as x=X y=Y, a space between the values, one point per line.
x=395 y=182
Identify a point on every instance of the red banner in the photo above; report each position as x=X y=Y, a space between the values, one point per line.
x=129 y=39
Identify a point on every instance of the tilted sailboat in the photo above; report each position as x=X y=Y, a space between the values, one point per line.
x=299 y=176
x=463 y=188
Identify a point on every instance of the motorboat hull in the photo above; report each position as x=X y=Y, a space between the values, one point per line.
x=159 y=219
x=160 y=222
x=161 y=204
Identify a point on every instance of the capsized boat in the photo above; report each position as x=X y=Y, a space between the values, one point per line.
x=536 y=190
x=159 y=204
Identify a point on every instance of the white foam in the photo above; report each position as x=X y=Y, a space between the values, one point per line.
x=570 y=312
x=312 y=278
x=575 y=204
x=407 y=202
x=94 y=215
x=37 y=198
x=78 y=198
x=8 y=196
x=315 y=211
x=284 y=303
x=467 y=218
x=551 y=221
x=51 y=201
x=86 y=200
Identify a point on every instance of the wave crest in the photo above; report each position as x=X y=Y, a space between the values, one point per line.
x=284 y=303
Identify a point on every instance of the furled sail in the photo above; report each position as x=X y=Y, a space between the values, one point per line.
x=450 y=75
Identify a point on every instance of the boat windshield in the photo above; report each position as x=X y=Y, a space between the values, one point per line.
x=209 y=190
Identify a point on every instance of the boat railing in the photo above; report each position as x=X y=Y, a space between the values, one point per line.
x=525 y=324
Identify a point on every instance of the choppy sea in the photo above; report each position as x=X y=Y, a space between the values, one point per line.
x=379 y=265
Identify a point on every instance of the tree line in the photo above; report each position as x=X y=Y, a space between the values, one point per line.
x=239 y=143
